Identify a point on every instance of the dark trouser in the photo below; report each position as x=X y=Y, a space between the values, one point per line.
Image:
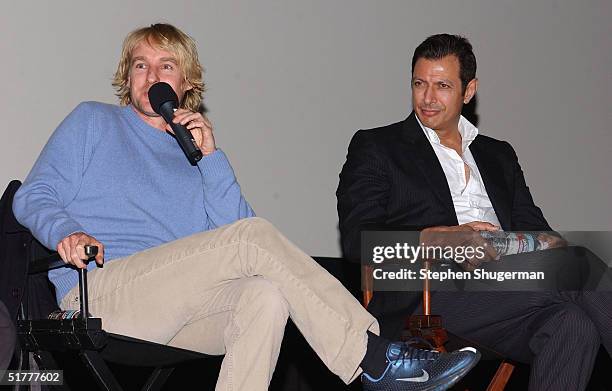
x=557 y=333
x=7 y=337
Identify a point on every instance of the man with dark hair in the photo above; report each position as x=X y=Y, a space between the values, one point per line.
x=435 y=173
x=186 y=263
x=7 y=337
x=442 y=45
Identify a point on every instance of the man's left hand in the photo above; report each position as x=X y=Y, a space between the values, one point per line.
x=551 y=241
x=199 y=126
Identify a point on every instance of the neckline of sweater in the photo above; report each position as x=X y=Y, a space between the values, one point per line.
x=149 y=130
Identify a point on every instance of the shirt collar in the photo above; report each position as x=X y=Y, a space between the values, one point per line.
x=467 y=130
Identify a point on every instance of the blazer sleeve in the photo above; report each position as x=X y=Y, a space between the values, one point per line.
x=526 y=216
x=363 y=191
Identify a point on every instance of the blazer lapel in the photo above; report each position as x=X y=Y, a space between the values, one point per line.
x=493 y=178
x=420 y=153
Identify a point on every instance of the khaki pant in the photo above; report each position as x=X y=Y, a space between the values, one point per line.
x=229 y=291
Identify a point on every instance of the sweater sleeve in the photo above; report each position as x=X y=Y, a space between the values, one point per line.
x=54 y=181
x=223 y=198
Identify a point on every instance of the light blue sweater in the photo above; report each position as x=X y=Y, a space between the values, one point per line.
x=107 y=173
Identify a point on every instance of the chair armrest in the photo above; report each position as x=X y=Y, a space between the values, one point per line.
x=45 y=264
x=53 y=261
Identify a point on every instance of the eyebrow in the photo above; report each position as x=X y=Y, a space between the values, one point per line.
x=445 y=81
x=163 y=59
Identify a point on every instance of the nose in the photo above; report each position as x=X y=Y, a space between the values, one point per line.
x=429 y=95
x=152 y=77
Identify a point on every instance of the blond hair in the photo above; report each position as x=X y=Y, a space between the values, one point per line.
x=165 y=37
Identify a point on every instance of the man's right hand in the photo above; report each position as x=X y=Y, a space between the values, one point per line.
x=72 y=249
x=463 y=235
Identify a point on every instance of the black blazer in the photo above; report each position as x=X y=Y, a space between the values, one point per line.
x=392 y=177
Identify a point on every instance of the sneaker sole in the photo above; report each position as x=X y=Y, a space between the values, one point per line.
x=459 y=375
x=449 y=382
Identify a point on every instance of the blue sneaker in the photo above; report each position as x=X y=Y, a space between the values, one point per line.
x=412 y=369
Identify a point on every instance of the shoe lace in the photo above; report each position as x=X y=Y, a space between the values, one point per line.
x=408 y=352
x=419 y=340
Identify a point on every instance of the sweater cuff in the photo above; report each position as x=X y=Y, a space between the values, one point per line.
x=61 y=231
x=214 y=165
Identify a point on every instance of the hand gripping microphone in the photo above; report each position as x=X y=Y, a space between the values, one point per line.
x=164 y=101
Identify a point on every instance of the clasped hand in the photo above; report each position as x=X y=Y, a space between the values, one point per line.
x=462 y=236
x=72 y=249
x=199 y=126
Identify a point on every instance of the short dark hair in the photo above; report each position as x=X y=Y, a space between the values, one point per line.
x=442 y=45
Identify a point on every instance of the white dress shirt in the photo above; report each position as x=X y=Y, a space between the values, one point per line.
x=470 y=199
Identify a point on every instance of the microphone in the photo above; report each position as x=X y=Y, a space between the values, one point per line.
x=164 y=101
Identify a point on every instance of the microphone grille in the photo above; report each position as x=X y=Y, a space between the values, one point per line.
x=160 y=93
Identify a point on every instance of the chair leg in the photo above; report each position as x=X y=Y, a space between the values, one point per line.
x=102 y=373
x=157 y=379
x=46 y=361
x=502 y=375
x=23 y=360
x=23 y=364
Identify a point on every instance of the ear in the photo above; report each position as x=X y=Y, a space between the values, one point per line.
x=470 y=91
x=187 y=85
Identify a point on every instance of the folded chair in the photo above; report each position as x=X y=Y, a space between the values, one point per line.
x=45 y=332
